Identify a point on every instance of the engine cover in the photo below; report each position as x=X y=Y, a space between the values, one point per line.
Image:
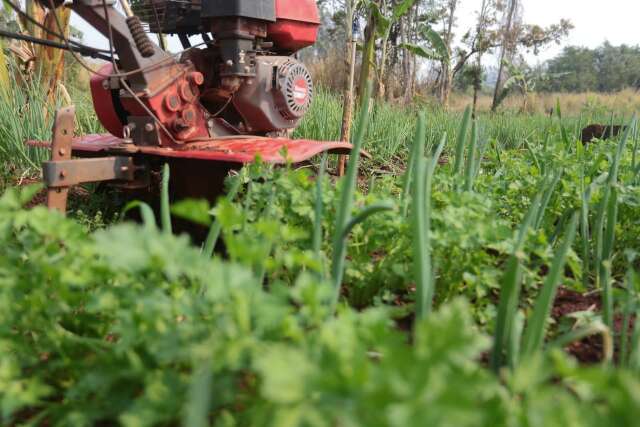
x=278 y=97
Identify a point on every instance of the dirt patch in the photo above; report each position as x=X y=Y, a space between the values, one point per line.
x=587 y=351
x=569 y=301
x=590 y=350
x=40 y=199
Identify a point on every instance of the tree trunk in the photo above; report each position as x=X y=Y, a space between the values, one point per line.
x=368 y=55
x=477 y=85
x=445 y=82
x=445 y=85
x=477 y=80
x=406 y=59
x=347 y=112
x=382 y=71
x=410 y=60
x=505 y=48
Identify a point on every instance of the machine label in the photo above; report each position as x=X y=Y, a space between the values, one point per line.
x=300 y=91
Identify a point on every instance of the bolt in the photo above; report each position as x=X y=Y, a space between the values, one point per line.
x=62 y=151
x=63 y=174
x=247 y=69
x=229 y=63
x=149 y=127
x=124 y=168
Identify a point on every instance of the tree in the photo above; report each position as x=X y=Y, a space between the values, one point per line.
x=578 y=69
x=446 y=74
x=483 y=40
x=350 y=51
x=382 y=16
x=508 y=47
x=607 y=68
x=37 y=61
x=516 y=35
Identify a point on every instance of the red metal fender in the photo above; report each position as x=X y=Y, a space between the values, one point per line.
x=226 y=150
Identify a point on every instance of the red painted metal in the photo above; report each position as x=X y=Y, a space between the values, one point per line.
x=229 y=150
x=177 y=107
x=296 y=26
x=103 y=102
x=298 y=10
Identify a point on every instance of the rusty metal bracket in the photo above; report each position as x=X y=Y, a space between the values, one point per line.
x=66 y=173
x=61 y=172
x=63 y=128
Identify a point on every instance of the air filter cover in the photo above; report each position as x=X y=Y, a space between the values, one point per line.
x=294 y=90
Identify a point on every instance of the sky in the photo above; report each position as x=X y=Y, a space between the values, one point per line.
x=595 y=21
x=617 y=22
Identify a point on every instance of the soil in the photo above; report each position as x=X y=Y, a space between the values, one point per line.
x=40 y=199
x=589 y=350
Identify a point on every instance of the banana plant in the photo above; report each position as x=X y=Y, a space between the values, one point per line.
x=43 y=63
x=4 y=73
x=384 y=25
x=380 y=22
x=435 y=48
x=524 y=82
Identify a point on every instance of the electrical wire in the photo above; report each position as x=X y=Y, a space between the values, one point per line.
x=26 y=16
x=149 y=67
x=141 y=103
x=50 y=43
x=124 y=83
x=121 y=76
x=67 y=42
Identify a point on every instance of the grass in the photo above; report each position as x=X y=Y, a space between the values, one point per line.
x=390 y=133
x=352 y=328
x=591 y=106
x=26 y=115
x=388 y=138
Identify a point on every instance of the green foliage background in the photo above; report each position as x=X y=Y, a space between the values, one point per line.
x=134 y=327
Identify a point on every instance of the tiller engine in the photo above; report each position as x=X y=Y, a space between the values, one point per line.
x=235 y=96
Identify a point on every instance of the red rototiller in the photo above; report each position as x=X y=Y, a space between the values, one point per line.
x=235 y=96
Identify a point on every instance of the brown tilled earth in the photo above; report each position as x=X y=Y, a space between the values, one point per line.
x=590 y=349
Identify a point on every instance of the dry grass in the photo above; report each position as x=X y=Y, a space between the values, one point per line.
x=589 y=104
x=330 y=72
